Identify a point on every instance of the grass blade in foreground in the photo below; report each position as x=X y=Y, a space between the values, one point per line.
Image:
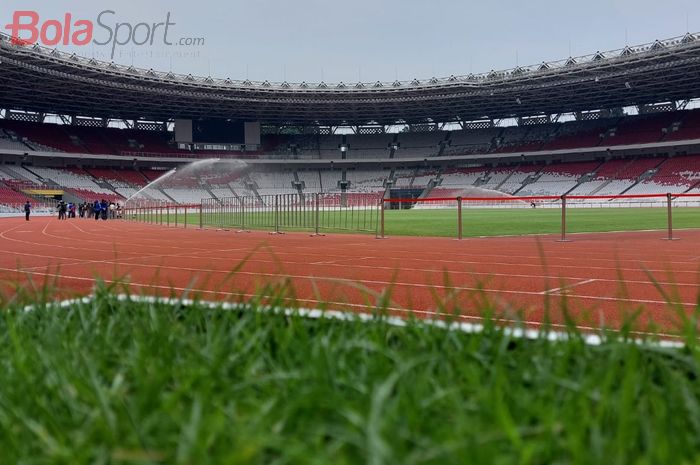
x=121 y=382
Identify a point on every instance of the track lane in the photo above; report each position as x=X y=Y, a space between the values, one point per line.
x=521 y=274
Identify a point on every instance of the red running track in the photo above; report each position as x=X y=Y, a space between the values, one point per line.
x=601 y=277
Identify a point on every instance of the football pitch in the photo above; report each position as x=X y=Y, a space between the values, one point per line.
x=476 y=222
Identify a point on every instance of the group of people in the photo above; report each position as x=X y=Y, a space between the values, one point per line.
x=98 y=209
x=65 y=210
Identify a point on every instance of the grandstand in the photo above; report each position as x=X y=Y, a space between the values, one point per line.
x=634 y=175
x=612 y=139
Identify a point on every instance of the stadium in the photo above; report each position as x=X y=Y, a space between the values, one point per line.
x=532 y=229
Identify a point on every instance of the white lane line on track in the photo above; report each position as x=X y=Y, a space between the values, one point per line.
x=352 y=283
x=118 y=261
x=370 y=282
x=521 y=259
x=456 y=256
x=343 y=266
x=3 y=235
x=187 y=251
x=463 y=288
x=559 y=290
x=406 y=254
x=343 y=261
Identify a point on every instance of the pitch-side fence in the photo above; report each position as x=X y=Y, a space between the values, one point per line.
x=366 y=212
x=562 y=202
x=318 y=213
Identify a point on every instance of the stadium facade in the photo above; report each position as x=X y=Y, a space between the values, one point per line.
x=45 y=80
x=454 y=126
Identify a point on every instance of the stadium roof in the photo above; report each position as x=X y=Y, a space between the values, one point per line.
x=40 y=79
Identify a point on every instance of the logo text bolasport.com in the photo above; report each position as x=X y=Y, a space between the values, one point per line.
x=28 y=29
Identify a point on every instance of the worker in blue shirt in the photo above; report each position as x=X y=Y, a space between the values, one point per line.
x=96 y=209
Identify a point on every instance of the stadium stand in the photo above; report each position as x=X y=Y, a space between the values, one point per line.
x=461 y=177
x=641 y=129
x=558 y=179
x=419 y=144
x=674 y=175
x=639 y=175
x=686 y=126
x=115 y=181
x=12 y=197
x=515 y=182
x=471 y=141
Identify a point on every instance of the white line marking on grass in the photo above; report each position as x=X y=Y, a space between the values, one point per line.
x=559 y=290
x=63 y=303
x=469 y=328
x=671 y=341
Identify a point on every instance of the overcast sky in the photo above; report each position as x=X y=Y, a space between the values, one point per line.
x=313 y=40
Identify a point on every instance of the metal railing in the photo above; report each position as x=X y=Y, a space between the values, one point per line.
x=316 y=212
x=352 y=212
x=668 y=201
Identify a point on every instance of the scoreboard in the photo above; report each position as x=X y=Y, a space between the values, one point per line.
x=217 y=131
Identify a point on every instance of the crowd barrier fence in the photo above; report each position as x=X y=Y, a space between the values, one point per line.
x=319 y=212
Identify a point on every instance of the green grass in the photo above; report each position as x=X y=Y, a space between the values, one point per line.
x=112 y=382
x=489 y=222
x=519 y=221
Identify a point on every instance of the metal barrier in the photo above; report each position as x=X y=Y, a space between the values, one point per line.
x=316 y=213
x=161 y=213
x=319 y=212
x=293 y=212
x=563 y=202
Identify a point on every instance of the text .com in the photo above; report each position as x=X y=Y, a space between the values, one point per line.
x=27 y=27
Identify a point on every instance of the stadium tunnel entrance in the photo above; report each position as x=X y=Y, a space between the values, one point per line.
x=404 y=194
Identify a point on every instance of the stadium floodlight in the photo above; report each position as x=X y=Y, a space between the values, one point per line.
x=518 y=101
x=628 y=85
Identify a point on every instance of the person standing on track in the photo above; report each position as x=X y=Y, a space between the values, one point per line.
x=104 y=209
x=27 y=210
x=96 y=209
x=62 y=207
